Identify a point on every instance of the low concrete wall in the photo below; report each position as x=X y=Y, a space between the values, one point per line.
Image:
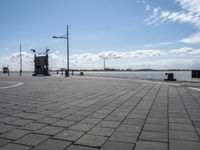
x=152 y=75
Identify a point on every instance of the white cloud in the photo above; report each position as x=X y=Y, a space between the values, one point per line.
x=190 y=14
x=193 y=39
x=192 y=6
x=148 y=7
x=181 y=50
x=130 y=54
x=77 y=61
x=94 y=60
x=185 y=50
x=111 y=54
x=14 y=62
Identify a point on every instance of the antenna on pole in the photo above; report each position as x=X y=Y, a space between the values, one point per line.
x=20 y=48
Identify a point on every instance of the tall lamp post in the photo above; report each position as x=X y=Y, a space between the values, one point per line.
x=20 y=48
x=66 y=36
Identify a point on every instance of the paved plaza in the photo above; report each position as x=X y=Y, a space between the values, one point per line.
x=97 y=113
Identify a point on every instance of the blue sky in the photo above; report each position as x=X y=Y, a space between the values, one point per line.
x=129 y=33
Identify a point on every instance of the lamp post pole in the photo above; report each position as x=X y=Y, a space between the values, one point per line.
x=67 y=52
x=66 y=36
x=20 y=71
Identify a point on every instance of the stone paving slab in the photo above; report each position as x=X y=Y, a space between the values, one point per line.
x=97 y=113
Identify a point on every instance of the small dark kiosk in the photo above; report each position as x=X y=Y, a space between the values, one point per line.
x=170 y=77
x=195 y=73
x=5 y=69
x=41 y=66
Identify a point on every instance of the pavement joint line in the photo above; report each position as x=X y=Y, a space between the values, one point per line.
x=186 y=109
x=175 y=105
x=192 y=88
x=107 y=115
x=154 y=99
x=11 y=86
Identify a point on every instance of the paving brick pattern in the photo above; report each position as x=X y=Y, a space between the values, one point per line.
x=94 y=113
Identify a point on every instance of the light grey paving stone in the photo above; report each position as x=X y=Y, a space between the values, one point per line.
x=63 y=123
x=137 y=115
x=183 y=145
x=115 y=118
x=68 y=111
x=98 y=115
x=47 y=112
x=20 y=122
x=179 y=120
x=178 y=115
x=74 y=117
x=154 y=136
x=9 y=112
x=182 y=135
x=198 y=130
x=147 y=145
x=157 y=121
x=109 y=124
x=4 y=142
x=110 y=145
x=91 y=140
x=8 y=119
x=78 y=147
x=32 y=139
x=69 y=135
x=12 y=146
x=81 y=127
x=133 y=121
x=101 y=131
x=52 y=144
x=47 y=120
x=196 y=123
x=49 y=130
x=156 y=127
x=129 y=128
x=5 y=128
x=124 y=137
x=158 y=115
x=33 y=116
x=14 y=134
x=21 y=114
x=33 y=126
x=184 y=127
x=104 y=111
x=91 y=121
x=59 y=115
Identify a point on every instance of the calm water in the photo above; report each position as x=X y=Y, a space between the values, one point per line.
x=152 y=75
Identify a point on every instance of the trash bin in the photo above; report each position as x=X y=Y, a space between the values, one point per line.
x=170 y=77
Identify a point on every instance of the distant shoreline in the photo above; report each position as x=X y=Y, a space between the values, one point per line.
x=113 y=70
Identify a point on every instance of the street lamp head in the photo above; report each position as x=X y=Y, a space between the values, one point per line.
x=47 y=50
x=33 y=50
x=54 y=37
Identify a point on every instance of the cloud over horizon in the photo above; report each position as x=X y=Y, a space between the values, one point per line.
x=125 y=59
